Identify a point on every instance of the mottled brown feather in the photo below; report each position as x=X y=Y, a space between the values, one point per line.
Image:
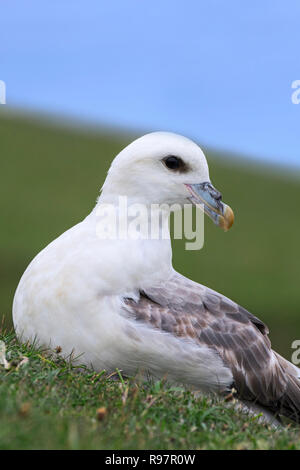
x=186 y=309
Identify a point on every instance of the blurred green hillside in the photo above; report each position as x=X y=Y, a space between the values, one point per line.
x=50 y=178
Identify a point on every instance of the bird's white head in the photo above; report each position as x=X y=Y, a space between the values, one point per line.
x=165 y=168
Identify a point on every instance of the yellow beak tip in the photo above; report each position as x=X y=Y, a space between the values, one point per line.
x=227 y=220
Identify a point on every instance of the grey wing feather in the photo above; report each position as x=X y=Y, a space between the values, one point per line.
x=186 y=309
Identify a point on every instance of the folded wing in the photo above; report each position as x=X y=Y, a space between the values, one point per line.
x=186 y=309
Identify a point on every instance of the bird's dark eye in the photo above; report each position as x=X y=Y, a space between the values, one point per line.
x=173 y=163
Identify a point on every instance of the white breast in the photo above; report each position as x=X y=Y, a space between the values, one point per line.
x=71 y=296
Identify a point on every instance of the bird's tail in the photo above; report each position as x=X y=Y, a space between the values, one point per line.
x=289 y=404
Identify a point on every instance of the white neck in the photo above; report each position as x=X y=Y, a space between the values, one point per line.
x=138 y=235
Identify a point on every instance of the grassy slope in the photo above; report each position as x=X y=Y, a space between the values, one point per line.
x=50 y=178
x=46 y=403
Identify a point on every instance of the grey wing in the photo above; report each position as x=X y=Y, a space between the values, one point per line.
x=186 y=309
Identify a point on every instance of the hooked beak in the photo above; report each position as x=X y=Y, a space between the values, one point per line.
x=204 y=193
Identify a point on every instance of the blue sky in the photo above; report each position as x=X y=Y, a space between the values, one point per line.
x=219 y=72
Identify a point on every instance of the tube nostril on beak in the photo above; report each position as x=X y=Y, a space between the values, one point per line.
x=214 y=193
x=217 y=195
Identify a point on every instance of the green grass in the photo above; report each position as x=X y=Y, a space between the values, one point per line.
x=50 y=177
x=49 y=404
